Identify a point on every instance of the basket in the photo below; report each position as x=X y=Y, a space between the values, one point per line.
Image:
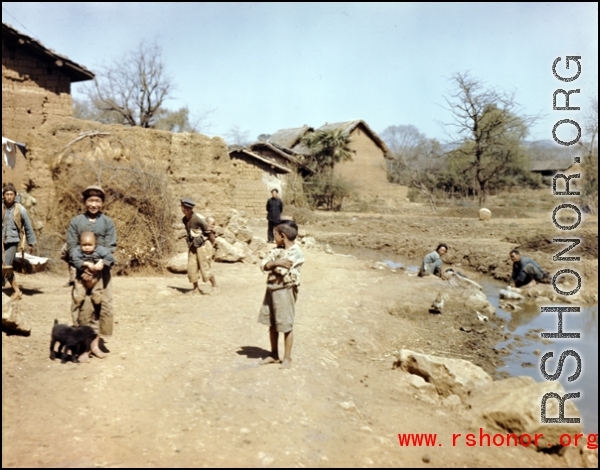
x=30 y=265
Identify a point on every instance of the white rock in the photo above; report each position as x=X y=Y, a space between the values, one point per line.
x=485 y=214
x=348 y=405
x=309 y=242
x=449 y=376
x=510 y=295
x=178 y=263
x=229 y=252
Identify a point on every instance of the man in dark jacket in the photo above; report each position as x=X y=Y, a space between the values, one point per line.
x=274 y=210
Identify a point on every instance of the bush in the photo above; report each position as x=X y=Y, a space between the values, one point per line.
x=327 y=191
x=294 y=191
x=137 y=199
x=300 y=215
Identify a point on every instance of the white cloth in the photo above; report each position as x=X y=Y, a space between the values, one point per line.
x=9 y=152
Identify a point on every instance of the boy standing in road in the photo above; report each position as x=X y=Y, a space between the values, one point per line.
x=283 y=265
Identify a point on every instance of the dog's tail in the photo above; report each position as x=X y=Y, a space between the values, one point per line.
x=56 y=321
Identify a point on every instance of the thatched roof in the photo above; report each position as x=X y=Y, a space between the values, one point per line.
x=349 y=126
x=285 y=153
x=14 y=39
x=274 y=165
x=288 y=138
x=551 y=165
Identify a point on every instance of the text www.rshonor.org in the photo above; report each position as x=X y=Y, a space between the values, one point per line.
x=483 y=439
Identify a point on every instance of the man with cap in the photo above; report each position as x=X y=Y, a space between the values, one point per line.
x=16 y=228
x=93 y=220
x=199 y=252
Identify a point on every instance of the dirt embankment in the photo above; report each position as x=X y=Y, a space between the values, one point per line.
x=481 y=246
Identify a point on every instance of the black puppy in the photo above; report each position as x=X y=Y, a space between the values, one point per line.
x=76 y=339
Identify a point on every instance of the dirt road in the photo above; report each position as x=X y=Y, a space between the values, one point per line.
x=182 y=385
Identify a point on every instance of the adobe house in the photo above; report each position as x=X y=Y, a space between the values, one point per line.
x=36 y=85
x=283 y=156
x=367 y=169
x=370 y=153
x=264 y=166
x=255 y=177
x=548 y=168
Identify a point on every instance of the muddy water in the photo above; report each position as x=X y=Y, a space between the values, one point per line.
x=525 y=342
x=527 y=349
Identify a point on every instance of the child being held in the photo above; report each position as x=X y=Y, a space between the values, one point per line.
x=278 y=309
x=89 y=259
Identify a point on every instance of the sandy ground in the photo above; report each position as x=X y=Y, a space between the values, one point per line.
x=182 y=385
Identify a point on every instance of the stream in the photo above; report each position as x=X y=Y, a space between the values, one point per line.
x=525 y=327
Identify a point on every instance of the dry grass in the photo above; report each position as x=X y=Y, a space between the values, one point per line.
x=137 y=199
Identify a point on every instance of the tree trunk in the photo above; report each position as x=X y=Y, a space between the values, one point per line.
x=482 y=193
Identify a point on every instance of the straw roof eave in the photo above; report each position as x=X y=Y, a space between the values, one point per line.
x=76 y=72
x=281 y=168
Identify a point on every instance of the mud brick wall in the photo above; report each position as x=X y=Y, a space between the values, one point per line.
x=367 y=170
x=32 y=90
x=253 y=184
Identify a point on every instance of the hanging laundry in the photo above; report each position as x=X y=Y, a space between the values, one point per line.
x=9 y=151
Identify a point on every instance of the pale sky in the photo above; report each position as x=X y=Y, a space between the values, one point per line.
x=269 y=66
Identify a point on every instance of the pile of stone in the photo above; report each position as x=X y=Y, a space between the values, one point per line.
x=234 y=243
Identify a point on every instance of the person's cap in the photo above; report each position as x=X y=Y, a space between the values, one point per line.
x=188 y=202
x=93 y=191
x=9 y=187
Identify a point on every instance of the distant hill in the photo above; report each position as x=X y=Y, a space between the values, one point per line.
x=549 y=150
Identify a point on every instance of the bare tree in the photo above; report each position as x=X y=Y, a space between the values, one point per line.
x=414 y=159
x=182 y=120
x=132 y=90
x=489 y=130
x=236 y=136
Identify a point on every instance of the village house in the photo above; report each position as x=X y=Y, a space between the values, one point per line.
x=255 y=176
x=366 y=171
x=264 y=166
x=550 y=167
x=36 y=84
